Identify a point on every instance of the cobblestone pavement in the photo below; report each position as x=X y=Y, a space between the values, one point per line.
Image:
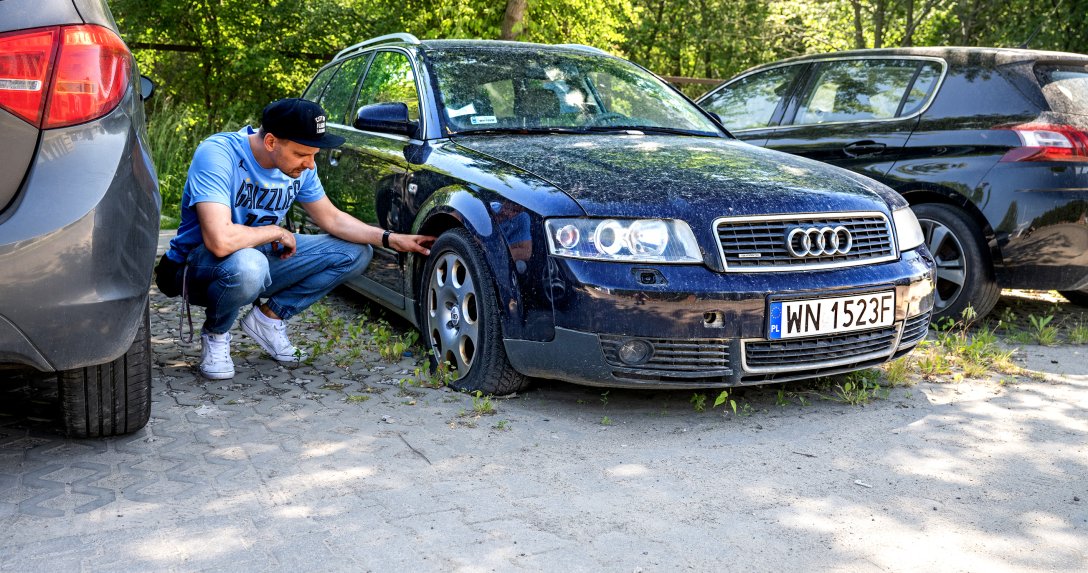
x=341 y=465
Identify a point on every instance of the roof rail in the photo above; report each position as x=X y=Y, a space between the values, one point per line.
x=585 y=47
x=399 y=37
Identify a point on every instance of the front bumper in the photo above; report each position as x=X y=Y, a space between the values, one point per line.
x=78 y=244
x=710 y=328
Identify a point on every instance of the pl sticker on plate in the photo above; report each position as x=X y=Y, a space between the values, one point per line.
x=483 y=119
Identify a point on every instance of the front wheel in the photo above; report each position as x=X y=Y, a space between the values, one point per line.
x=461 y=321
x=965 y=275
x=112 y=398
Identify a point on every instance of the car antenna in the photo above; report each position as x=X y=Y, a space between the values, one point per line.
x=1039 y=28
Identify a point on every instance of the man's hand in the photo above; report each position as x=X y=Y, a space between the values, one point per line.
x=411 y=243
x=285 y=245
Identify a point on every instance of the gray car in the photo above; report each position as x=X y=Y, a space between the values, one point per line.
x=79 y=212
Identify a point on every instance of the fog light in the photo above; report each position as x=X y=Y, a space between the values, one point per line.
x=634 y=351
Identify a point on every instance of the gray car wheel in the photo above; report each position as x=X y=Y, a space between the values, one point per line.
x=113 y=398
x=461 y=321
x=965 y=274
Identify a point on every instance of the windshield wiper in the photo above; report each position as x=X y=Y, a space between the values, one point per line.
x=517 y=130
x=645 y=129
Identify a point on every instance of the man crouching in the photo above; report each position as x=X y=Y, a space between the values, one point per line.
x=230 y=250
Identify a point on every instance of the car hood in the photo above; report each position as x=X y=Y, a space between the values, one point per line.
x=692 y=178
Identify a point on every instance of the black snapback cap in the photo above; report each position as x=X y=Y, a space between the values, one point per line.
x=298 y=120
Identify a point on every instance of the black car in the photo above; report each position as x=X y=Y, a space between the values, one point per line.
x=79 y=212
x=989 y=146
x=595 y=226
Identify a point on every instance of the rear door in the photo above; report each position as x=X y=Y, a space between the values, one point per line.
x=857 y=113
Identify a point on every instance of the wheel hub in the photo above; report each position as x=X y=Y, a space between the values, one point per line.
x=455 y=317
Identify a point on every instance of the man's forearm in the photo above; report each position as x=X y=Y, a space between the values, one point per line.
x=349 y=228
x=231 y=238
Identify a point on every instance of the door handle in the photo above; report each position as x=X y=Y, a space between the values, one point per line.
x=334 y=157
x=864 y=148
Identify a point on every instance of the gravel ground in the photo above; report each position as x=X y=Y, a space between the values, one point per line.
x=341 y=466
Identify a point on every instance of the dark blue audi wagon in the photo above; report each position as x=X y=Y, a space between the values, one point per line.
x=597 y=227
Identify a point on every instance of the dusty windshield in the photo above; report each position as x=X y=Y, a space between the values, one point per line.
x=497 y=90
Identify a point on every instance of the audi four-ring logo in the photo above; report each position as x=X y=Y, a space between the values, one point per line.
x=815 y=242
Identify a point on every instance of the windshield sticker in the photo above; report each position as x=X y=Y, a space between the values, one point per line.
x=467 y=110
x=483 y=119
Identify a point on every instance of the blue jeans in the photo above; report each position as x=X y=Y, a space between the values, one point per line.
x=291 y=285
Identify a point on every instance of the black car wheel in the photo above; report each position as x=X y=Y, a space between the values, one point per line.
x=113 y=398
x=461 y=320
x=1077 y=297
x=964 y=270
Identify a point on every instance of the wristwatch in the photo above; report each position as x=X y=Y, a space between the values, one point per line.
x=385 y=238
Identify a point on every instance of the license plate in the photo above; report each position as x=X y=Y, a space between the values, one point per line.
x=813 y=317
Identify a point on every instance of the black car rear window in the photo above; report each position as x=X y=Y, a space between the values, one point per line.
x=1065 y=87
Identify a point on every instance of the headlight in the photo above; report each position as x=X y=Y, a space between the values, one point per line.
x=907 y=229
x=630 y=240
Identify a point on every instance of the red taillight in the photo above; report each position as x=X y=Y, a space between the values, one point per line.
x=90 y=73
x=24 y=72
x=1048 y=142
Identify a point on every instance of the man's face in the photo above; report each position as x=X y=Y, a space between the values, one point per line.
x=290 y=157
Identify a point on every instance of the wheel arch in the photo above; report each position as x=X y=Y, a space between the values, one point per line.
x=919 y=196
x=461 y=206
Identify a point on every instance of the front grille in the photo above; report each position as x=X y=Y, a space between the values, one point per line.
x=795 y=354
x=755 y=244
x=699 y=356
x=915 y=329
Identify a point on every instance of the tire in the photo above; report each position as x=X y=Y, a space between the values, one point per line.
x=1077 y=297
x=460 y=318
x=113 y=398
x=965 y=274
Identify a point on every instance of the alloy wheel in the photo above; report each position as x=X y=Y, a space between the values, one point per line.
x=951 y=267
x=453 y=315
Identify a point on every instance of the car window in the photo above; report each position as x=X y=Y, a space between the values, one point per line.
x=1065 y=87
x=923 y=85
x=856 y=90
x=487 y=89
x=750 y=101
x=337 y=97
x=313 y=91
x=390 y=79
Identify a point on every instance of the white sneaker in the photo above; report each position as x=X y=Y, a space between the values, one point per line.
x=271 y=334
x=215 y=362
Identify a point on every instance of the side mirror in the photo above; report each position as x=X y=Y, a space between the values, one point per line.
x=390 y=117
x=147 y=87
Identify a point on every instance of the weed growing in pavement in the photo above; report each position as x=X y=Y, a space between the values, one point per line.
x=698 y=401
x=606 y=421
x=604 y=398
x=1078 y=334
x=723 y=398
x=482 y=405
x=502 y=425
x=962 y=351
x=391 y=346
x=897 y=372
x=1042 y=332
x=357 y=398
x=443 y=374
x=859 y=388
x=1006 y=319
x=780 y=399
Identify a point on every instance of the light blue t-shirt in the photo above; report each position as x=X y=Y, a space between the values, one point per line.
x=225 y=171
